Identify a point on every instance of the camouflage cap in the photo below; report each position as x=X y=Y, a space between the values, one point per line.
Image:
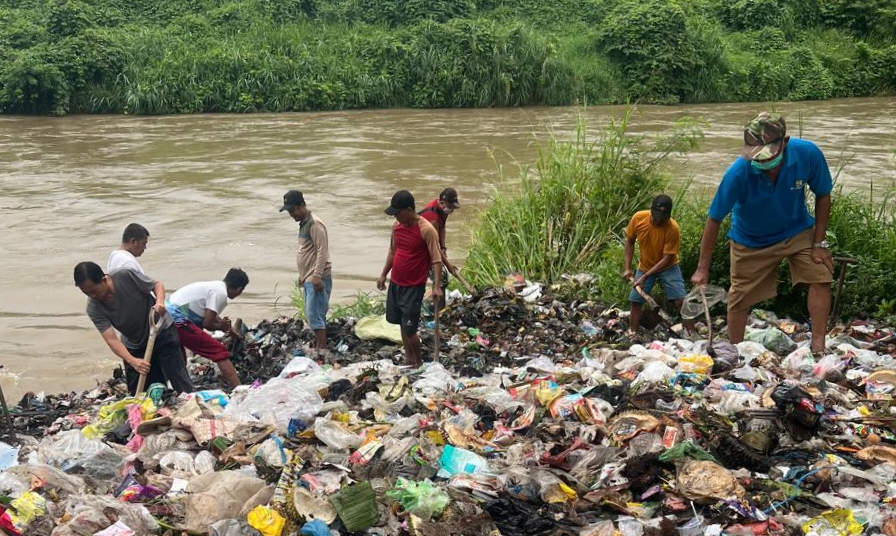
x=763 y=136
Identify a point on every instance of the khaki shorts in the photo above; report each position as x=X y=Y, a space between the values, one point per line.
x=754 y=272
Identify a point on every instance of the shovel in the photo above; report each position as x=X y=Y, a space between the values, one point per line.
x=147 y=356
x=654 y=314
x=6 y=417
x=710 y=351
x=436 y=341
x=844 y=263
x=456 y=273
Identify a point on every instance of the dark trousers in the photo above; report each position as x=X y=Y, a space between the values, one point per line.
x=167 y=364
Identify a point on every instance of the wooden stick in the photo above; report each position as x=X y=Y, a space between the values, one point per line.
x=844 y=262
x=709 y=349
x=456 y=273
x=150 y=344
x=437 y=343
x=6 y=416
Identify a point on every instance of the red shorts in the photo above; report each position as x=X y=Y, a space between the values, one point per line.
x=200 y=343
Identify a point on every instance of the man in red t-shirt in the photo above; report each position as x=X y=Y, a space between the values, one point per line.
x=436 y=213
x=414 y=249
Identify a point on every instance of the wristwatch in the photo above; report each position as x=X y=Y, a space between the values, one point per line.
x=824 y=244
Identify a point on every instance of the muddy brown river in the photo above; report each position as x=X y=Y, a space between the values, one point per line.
x=208 y=187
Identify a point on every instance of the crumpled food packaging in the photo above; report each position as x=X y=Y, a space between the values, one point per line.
x=706 y=481
x=266 y=521
x=838 y=522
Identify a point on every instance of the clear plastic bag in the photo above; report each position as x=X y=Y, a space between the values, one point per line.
x=276 y=402
x=271 y=453
x=736 y=402
x=156 y=444
x=750 y=350
x=298 y=365
x=654 y=373
x=74 y=453
x=51 y=476
x=800 y=359
x=177 y=464
x=9 y=455
x=435 y=379
x=588 y=464
x=11 y=485
x=693 y=302
x=405 y=426
x=335 y=435
x=394 y=449
x=87 y=514
x=206 y=501
x=204 y=462
x=377 y=402
x=646 y=443
x=827 y=364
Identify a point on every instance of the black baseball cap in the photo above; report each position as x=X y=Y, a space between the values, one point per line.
x=661 y=208
x=292 y=198
x=449 y=196
x=402 y=199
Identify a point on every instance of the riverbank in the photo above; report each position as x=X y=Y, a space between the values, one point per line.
x=541 y=418
x=176 y=57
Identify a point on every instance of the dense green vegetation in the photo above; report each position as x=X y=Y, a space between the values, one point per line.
x=186 y=56
x=567 y=214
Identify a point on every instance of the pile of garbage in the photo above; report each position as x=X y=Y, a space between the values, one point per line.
x=540 y=418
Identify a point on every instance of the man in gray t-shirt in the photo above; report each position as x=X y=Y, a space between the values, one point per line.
x=122 y=301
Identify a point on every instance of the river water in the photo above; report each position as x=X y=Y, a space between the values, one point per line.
x=208 y=188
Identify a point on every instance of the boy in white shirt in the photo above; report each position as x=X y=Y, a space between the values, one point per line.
x=133 y=244
x=197 y=307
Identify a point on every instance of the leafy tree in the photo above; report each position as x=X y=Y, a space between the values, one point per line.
x=656 y=46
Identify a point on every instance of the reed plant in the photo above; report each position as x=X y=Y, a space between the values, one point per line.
x=559 y=216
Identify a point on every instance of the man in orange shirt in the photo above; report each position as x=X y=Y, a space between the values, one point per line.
x=659 y=238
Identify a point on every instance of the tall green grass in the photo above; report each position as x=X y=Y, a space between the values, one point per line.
x=568 y=213
x=572 y=205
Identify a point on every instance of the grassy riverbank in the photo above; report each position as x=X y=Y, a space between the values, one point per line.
x=567 y=213
x=179 y=56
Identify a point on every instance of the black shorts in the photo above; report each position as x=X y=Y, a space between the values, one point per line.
x=403 y=307
x=167 y=364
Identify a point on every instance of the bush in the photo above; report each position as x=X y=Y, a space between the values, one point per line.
x=32 y=84
x=69 y=17
x=658 y=48
x=811 y=80
x=755 y=14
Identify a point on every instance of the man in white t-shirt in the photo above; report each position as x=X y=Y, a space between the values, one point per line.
x=197 y=307
x=133 y=244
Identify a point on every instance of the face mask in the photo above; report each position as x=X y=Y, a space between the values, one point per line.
x=767 y=165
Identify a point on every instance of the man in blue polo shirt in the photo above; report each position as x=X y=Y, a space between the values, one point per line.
x=764 y=191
